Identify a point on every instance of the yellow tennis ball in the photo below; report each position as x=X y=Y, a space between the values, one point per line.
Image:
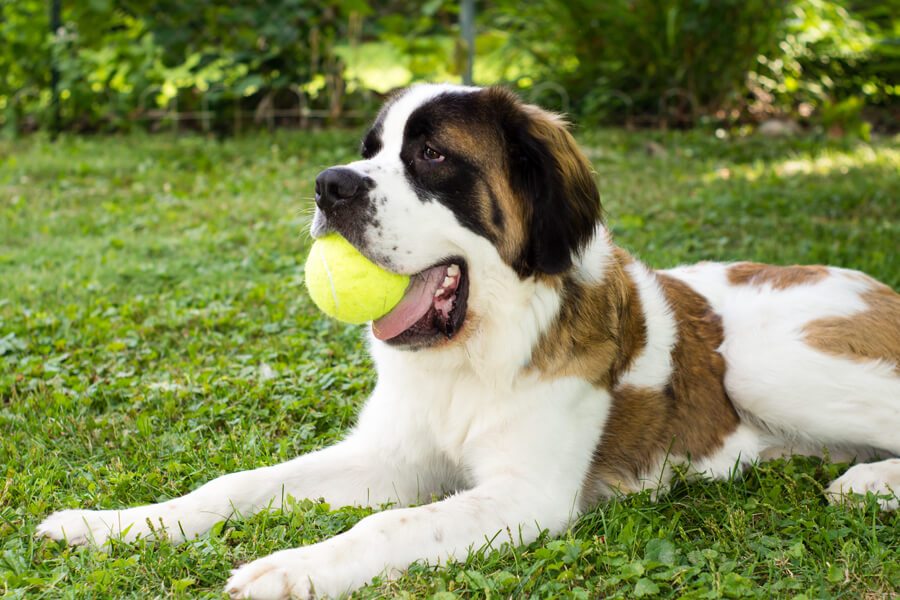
x=346 y=285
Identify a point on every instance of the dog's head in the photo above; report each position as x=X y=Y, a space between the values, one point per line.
x=454 y=184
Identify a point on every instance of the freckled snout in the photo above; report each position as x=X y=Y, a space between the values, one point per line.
x=341 y=187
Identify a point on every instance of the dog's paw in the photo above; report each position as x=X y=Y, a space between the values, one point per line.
x=97 y=527
x=881 y=478
x=271 y=578
x=78 y=527
x=299 y=573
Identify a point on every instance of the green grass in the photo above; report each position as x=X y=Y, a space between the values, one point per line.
x=145 y=281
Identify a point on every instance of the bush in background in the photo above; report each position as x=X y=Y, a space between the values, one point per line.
x=842 y=59
x=119 y=61
x=834 y=63
x=647 y=58
x=685 y=61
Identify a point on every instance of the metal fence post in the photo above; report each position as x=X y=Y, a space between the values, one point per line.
x=55 y=24
x=467 y=26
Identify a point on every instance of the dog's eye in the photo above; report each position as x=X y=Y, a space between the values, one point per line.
x=432 y=155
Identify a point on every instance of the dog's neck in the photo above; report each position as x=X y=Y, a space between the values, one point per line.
x=586 y=322
x=599 y=326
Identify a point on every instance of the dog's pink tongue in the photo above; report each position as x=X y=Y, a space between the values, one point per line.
x=416 y=302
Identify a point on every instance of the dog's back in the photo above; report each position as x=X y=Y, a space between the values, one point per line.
x=812 y=352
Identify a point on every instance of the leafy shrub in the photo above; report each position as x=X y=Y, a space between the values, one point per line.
x=674 y=62
x=671 y=61
x=838 y=56
x=671 y=57
x=118 y=60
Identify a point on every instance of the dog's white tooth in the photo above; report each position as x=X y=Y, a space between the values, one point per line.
x=453 y=270
x=448 y=281
x=438 y=292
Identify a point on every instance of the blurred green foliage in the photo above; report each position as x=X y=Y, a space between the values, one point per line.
x=840 y=56
x=648 y=57
x=118 y=59
x=675 y=62
x=680 y=61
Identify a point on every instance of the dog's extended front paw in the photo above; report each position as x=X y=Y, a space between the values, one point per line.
x=301 y=573
x=83 y=527
x=880 y=478
x=79 y=527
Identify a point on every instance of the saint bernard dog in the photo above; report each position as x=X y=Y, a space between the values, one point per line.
x=534 y=369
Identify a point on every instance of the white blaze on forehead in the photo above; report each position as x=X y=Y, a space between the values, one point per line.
x=399 y=111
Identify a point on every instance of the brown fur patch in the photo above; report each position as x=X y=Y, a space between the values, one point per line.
x=547 y=183
x=690 y=417
x=873 y=334
x=780 y=278
x=512 y=228
x=500 y=211
x=598 y=331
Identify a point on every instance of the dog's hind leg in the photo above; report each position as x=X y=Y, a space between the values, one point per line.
x=880 y=478
x=850 y=408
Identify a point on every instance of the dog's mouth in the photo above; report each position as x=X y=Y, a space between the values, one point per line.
x=433 y=306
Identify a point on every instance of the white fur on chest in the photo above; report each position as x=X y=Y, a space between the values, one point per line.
x=470 y=425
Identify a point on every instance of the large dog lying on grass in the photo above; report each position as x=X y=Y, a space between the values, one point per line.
x=535 y=369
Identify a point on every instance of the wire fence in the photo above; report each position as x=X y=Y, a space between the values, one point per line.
x=287 y=107
x=220 y=108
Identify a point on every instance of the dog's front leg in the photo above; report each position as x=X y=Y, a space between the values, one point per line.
x=388 y=542
x=358 y=471
x=527 y=462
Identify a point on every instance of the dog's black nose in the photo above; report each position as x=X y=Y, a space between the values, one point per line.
x=338 y=186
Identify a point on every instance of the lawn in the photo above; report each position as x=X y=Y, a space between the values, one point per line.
x=155 y=333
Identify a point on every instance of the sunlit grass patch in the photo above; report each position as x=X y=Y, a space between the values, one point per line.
x=154 y=334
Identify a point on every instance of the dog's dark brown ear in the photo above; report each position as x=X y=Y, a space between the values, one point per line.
x=554 y=179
